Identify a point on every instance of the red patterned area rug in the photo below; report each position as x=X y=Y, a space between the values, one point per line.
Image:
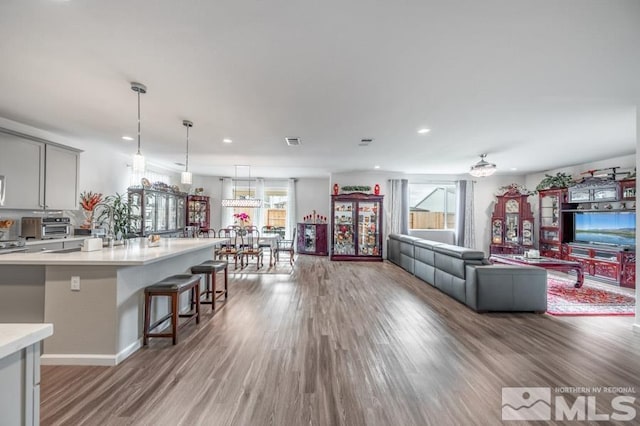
x=592 y=299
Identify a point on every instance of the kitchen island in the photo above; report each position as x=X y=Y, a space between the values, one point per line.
x=20 y=372
x=101 y=323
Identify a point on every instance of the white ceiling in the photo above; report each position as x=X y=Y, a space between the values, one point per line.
x=536 y=84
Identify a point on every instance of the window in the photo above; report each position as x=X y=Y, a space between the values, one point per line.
x=275 y=206
x=242 y=191
x=432 y=205
x=274 y=209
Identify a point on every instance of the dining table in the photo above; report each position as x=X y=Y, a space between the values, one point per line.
x=270 y=240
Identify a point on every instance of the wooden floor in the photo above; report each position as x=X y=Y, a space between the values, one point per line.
x=344 y=343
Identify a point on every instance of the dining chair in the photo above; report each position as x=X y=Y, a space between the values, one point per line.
x=251 y=247
x=233 y=247
x=286 y=246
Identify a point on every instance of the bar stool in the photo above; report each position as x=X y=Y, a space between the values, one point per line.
x=172 y=287
x=210 y=268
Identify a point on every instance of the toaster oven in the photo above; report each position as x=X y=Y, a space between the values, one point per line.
x=43 y=228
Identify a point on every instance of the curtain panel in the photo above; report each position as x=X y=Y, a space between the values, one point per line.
x=465 y=229
x=397 y=208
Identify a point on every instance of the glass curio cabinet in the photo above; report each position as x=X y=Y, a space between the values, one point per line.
x=356 y=227
x=512 y=222
x=161 y=211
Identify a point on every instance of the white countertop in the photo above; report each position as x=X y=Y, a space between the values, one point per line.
x=14 y=337
x=135 y=252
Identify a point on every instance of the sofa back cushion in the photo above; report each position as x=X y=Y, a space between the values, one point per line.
x=459 y=252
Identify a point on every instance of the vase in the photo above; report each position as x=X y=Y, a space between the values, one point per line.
x=88 y=219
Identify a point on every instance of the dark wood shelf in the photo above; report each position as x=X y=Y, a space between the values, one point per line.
x=598 y=210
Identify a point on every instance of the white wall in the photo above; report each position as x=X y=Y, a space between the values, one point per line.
x=313 y=194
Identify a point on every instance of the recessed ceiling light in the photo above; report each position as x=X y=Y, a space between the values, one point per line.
x=226 y=140
x=513 y=169
x=376 y=167
x=423 y=131
x=127 y=138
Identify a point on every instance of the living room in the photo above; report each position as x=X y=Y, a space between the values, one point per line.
x=376 y=93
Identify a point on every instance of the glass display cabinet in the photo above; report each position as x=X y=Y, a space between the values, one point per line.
x=198 y=208
x=511 y=223
x=550 y=202
x=312 y=238
x=162 y=211
x=356 y=227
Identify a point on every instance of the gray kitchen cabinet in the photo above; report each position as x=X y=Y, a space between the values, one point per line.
x=61 y=178
x=38 y=174
x=22 y=165
x=48 y=245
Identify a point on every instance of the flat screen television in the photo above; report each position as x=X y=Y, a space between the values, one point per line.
x=610 y=228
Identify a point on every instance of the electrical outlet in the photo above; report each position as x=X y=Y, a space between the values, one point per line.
x=75 y=283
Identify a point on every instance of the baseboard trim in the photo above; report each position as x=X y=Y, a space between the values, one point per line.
x=91 y=359
x=128 y=351
x=78 y=359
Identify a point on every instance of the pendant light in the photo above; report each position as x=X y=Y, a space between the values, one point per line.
x=241 y=202
x=186 y=177
x=482 y=168
x=138 y=159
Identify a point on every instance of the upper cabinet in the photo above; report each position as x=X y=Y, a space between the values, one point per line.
x=22 y=165
x=37 y=174
x=61 y=178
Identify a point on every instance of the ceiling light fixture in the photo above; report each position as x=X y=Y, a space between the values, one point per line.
x=138 y=159
x=423 y=131
x=247 y=201
x=482 y=168
x=127 y=138
x=227 y=140
x=186 y=177
x=376 y=167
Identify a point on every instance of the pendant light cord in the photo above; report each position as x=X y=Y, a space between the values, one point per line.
x=186 y=167
x=138 y=123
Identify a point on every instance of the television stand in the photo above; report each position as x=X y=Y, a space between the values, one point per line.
x=616 y=265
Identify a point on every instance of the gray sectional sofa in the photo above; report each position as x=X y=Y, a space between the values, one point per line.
x=467 y=276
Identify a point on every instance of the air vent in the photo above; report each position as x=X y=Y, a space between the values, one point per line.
x=365 y=141
x=292 y=141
